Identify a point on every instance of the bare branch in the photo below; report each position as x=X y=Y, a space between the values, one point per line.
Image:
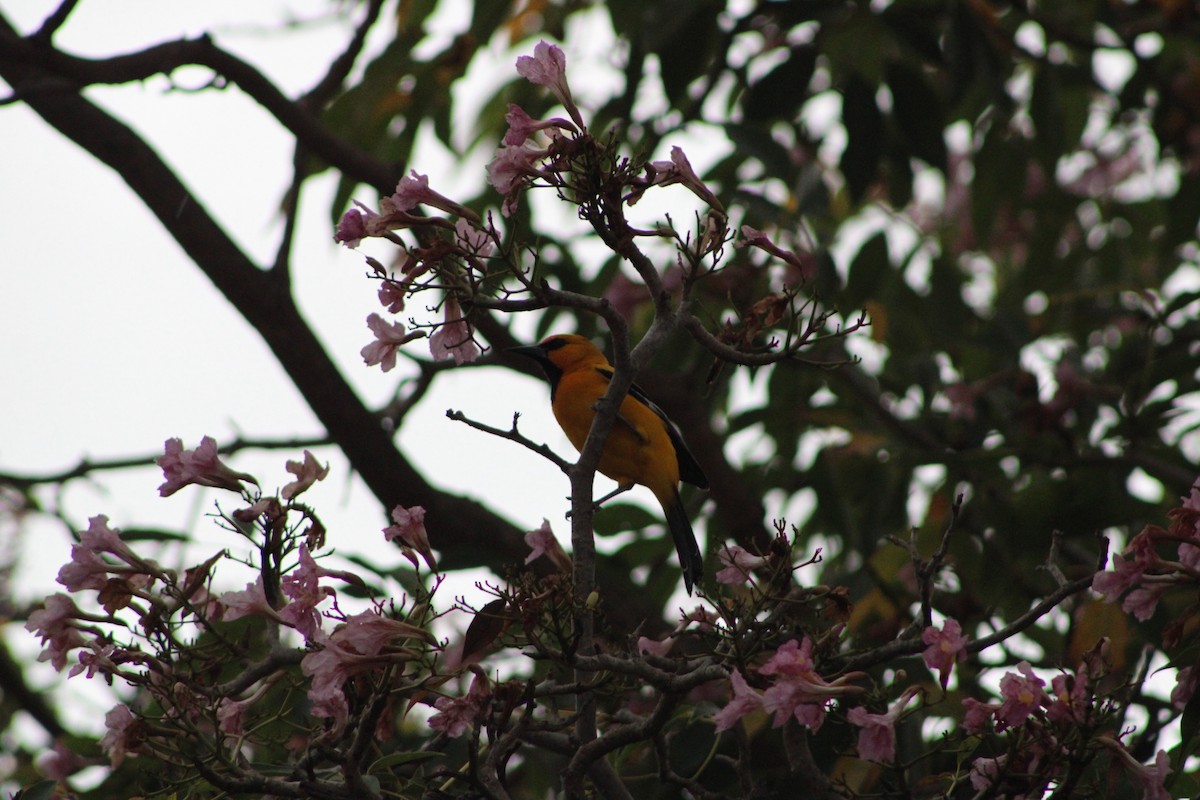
x=512 y=435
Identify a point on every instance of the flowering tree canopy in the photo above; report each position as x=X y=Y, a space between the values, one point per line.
x=919 y=285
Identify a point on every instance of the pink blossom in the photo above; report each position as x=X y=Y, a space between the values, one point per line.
x=547 y=67
x=268 y=506
x=945 y=647
x=1152 y=780
x=1186 y=682
x=1189 y=555
x=99 y=537
x=799 y=691
x=792 y=698
x=96 y=657
x=53 y=623
x=325 y=695
x=1128 y=571
x=877 y=739
x=369 y=632
x=1125 y=575
x=60 y=762
x=328 y=700
x=201 y=466
x=392 y=294
x=409 y=528
x=1071 y=698
x=307 y=472
x=1142 y=601
x=521 y=126
x=986 y=771
x=352 y=228
x=745 y=701
x=790 y=658
x=1192 y=501
x=1022 y=694
x=738 y=564
x=411 y=191
x=121 y=725
x=328 y=667
x=251 y=600
x=87 y=569
x=455 y=715
x=542 y=543
x=454 y=339
x=804 y=263
x=473 y=240
x=508 y=171
x=678 y=171
x=302 y=586
x=978 y=716
x=699 y=616
x=231 y=715
x=388 y=339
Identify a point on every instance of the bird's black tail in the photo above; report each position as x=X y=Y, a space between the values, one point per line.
x=690 y=559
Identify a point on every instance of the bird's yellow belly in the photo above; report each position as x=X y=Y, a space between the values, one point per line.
x=634 y=447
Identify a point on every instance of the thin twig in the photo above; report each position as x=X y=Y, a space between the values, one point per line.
x=512 y=435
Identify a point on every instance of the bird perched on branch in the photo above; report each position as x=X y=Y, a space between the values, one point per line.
x=644 y=446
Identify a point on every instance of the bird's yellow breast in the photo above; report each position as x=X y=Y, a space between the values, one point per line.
x=638 y=449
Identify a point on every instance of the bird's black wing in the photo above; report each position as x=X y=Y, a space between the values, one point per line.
x=689 y=469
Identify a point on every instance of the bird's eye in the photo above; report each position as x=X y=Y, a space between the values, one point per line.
x=553 y=344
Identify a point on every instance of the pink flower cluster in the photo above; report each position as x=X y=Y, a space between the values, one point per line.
x=542 y=543
x=1140 y=576
x=739 y=564
x=946 y=647
x=803 y=264
x=456 y=715
x=396 y=210
x=361 y=643
x=517 y=162
x=408 y=529
x=201 y=466
x=677 y=170
x=102 y=562
x=877 y=737
x=795 y=689
x=472 y=243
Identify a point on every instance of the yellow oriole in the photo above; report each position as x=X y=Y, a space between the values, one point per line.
x=644 y=446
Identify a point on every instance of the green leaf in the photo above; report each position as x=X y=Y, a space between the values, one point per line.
x=869 y=270
x=780 y=93
x=1059 y=107
x=614 y=518
x=682 y=34
x=1190 y=725
x=919 y=114
x=1183 y=215
x=42 y=790
x=152 y=535
x=865 y=137
x=999 y=177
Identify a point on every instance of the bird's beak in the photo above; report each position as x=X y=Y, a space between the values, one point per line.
x=534 y=351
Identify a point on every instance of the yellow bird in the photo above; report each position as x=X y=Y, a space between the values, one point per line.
x=644 y=446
